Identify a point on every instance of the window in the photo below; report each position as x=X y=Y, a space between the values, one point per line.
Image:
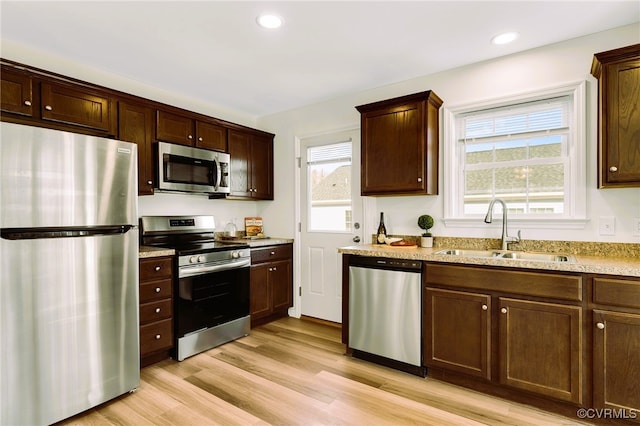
x=527 y=150
x=329 y=180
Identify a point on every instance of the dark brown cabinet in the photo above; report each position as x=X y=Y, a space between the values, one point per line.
x=618 y=74
x=541 y=348
x=78 y=106
x=457 y=331
x=271 y=292
x=616 y=344
x=251 y=165
x=135 y=124
x=156 y=309
x=538 y=345
x=184 y=130
x=16 y=93
x=399 y=145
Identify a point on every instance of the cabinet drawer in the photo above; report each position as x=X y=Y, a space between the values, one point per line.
x=156 y=336
x=615 y=292
x=155 y=311
x=156 y=290
x=267 y=254
x=557 y=286
x=152 y=269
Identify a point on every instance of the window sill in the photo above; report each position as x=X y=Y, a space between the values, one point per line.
x=517 y=223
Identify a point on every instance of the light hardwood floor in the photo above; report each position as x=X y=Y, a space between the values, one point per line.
x=294 y=372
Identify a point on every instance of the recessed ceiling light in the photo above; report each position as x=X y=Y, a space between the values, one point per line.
x=269 y=20
x=504 y=38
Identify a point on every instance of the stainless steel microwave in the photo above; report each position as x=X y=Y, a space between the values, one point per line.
x=187 y=169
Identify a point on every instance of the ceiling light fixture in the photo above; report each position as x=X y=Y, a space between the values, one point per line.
x=269 y=20
x=504 y=38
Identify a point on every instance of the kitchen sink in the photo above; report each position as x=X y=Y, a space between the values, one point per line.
x=514 y=255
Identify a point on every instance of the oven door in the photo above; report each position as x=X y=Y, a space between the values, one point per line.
x=211 y=298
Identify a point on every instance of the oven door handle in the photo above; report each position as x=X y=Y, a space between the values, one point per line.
x=189 y=271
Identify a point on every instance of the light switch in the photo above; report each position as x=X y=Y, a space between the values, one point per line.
x=607 y=225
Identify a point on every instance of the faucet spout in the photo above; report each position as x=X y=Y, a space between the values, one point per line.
x=506 y=239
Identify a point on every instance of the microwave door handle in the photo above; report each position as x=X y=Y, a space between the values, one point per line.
x=218 y=173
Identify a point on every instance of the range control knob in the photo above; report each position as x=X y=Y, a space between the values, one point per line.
x=235 y=254
x=193 y=259
x=200 y=258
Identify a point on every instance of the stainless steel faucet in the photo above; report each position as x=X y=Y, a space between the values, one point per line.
x=489 y=217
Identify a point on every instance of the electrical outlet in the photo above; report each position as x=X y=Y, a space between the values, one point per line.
x=635 y=229
x=607 y=225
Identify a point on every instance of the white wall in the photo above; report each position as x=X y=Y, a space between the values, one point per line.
x=539 y=68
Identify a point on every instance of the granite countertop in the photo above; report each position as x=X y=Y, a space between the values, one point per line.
x=623 y=266
x=147 y=252
x=260 y=242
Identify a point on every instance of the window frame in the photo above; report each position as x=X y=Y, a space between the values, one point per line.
x=575 y=217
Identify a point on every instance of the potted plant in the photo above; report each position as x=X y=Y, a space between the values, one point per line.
x=425 y=222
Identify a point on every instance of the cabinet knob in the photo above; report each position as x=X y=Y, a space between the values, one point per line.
x=48 y=107
x=503 y=310
x=270 y=269
x=158 y=337
x=613 y=169
x=600 y=325
x=275 y=269
x=157 y=268
x=200 y=139
x=419 y=179
x=190 y=137
x=149 y=182
x=27 y=103
x=272 y=253
x=485 y=307
x=157 y=310
x=157 y=289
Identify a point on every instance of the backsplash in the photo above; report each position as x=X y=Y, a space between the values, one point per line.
x=584 y=248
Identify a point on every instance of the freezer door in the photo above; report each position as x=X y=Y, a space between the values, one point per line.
x=68 y=324
x=51 y=178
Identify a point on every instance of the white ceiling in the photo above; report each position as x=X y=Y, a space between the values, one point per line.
x=213 y=50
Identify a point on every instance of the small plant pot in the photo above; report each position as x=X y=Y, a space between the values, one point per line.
x=426 y=242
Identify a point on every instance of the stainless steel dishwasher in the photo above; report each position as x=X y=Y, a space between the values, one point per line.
x=385 y=312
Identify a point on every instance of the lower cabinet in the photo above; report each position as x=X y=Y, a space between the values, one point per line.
x=271 y=293
x=156 y=309
x=616 y=344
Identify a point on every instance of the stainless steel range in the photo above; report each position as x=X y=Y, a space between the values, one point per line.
x=211 y=297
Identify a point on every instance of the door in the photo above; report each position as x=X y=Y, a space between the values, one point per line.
x=330 y=213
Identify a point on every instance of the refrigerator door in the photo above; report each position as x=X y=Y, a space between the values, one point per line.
x=68 y=324
x=58 y=179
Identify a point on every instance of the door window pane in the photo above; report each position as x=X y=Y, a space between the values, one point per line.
x=329 y=187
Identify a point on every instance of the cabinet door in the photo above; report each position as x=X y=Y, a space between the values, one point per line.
x=393 y=150
x=280 y=279
x=16 y=93
x=260 y=292
x=174 y=128
x=621 y=123
x=240 y=151
x=135 y=125
x=211 y=136
x=540 y=346
x=262 y=168
x=457 y=331
x=72 y=105
x=616 y=360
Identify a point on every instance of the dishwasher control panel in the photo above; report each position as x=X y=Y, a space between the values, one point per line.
x=386 y=263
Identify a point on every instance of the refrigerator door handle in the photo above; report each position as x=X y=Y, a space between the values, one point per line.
x=57 y=232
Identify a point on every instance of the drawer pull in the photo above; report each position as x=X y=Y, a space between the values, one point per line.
x=157 y=310
x=190 y=137
x=48 y=107
x=200 y=139
x=157 y=268
x=158 y=337
x=272 y=253
x=503 y=310
x=27 y=103
x=485 y=307
x=157 y=289
x=600 y=325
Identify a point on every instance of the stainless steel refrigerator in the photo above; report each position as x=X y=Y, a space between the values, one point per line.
x=69 y=267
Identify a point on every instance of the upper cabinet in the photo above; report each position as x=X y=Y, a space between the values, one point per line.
x=16 y=93
x=399 y=145
x=135 y=124
x=251 y=165
x=185 y=130
x=618 y=74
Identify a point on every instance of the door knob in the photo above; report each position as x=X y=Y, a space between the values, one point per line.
x=356 y=239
